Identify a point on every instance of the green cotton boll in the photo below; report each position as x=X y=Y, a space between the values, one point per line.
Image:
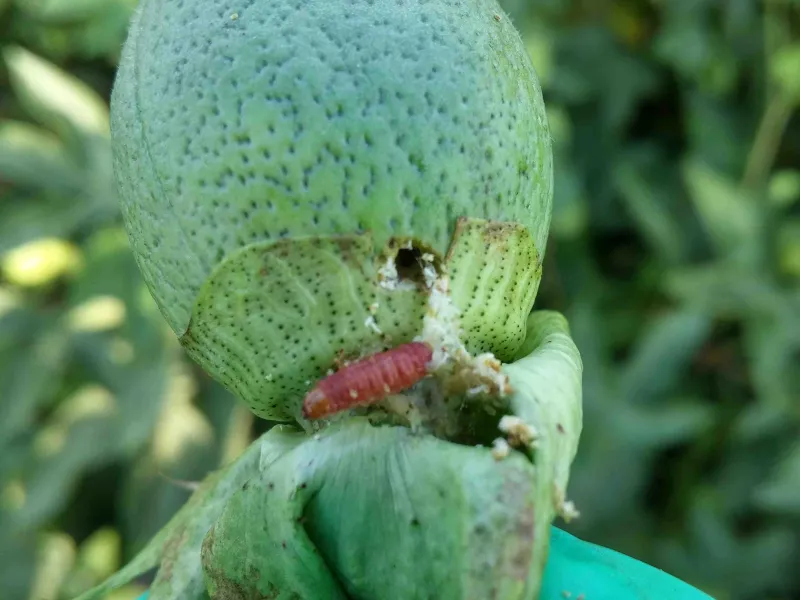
x=293 y=131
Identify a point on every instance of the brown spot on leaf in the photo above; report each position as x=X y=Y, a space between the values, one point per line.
x=172 y=549
x=521 y=559
x=516 y=493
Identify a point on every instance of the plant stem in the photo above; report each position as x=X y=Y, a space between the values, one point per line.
x=778 y=107
x=767 y=141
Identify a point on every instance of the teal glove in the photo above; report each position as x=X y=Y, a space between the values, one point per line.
x=578 y=570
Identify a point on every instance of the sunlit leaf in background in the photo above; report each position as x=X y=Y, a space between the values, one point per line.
x=696 y=51
x=100 y=313
x=55 y=98
x=784 y=187
x=647 y=198
x=95 y=38
x=97 y=558
x=785 y=68
x=17 y=565
x=158 y=484
x=67 y=180
x=718 y=129
x=725 y=291
x=39 y=263
x=56 y=559
x=781 y=492
x=788 y=242
x=28 y=152
x=742 y=564
x=66 y=11
x=33 y=357
x=662 y=355
x=730 y=216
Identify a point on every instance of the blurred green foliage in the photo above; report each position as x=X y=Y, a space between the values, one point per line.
x=675 y=253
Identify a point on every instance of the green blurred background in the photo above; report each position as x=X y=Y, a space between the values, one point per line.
x=675 y=253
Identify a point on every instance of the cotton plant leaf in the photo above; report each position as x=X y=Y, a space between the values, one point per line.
x=593 y=65
x=721 y=559
x=614 y=464
x=725 y=291
x=761 y=421
x=648 y=203
x=780 y=493
x=103 y=34
x=132 y=374
x=182 y=452
x=662 y=354
x=35 y=158
x=55 y=98
x=772 y=345
x=694 y=49
x=49 y=215
x=17 y=565
x=64 y=448
x=32 y=365
x=784 y=67
x=784 y=188
x=657 y=426
x=186 y=529
x=729 y=214
x=131 y=359
x=571 y=212
x=97 y=33
x=638 y=424
x=716 y=132
x=61 y=11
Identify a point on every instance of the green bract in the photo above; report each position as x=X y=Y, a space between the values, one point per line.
x=276 y=159
x=382 y=513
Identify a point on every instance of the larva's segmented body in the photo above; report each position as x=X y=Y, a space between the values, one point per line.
x=368 y=380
